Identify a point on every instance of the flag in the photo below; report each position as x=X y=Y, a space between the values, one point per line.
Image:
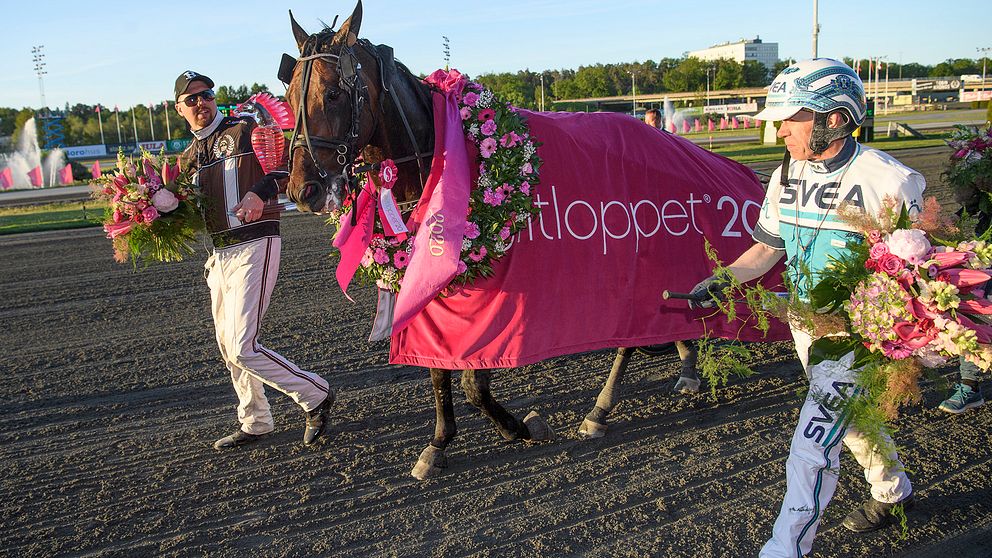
x=709 y=125
x=95 y=170
x=65 y=175
x=685 y=126
x=698 y=126
x=35 y=176
x=115 y=108
x=6 y=179
x=98 y=108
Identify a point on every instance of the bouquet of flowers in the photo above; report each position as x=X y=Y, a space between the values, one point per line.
x=969 y=171
x=152 y=212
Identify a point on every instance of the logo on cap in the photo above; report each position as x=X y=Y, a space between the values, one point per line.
x=190 y=74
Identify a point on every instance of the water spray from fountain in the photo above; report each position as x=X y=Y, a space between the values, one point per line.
x=28 y=157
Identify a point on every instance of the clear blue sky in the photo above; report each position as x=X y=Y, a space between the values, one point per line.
x=128 y=53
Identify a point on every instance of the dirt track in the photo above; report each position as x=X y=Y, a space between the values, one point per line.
x=112 y=392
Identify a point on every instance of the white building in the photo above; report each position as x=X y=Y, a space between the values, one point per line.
x=744 y=49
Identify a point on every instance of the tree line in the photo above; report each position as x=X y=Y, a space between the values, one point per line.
x=523 y=88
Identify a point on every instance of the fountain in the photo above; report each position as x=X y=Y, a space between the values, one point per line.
x=674 y=118
x=27 y=156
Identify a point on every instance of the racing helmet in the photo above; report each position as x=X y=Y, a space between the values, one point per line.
x=823 y=86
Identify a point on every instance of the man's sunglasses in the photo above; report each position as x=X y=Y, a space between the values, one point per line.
x=207 y=95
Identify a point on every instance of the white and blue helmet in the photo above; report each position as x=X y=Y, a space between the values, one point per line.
x=822 y=85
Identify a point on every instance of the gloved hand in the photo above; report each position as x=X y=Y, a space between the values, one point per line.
x=707 y=292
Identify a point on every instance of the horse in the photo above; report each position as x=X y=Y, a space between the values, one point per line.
x=352 y=101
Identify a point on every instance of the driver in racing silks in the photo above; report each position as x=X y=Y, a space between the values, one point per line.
x=243 y=221
x=820 y=102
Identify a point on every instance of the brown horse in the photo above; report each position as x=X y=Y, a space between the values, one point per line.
x=352 y=99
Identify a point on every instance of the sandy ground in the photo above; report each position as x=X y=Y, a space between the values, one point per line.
x=112 y=392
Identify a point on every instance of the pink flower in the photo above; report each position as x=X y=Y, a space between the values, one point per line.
x=950 y=259
x=509 y=139
x=466 y=112
x=909 y=244
x=169 y=172
x=477 y=254
x=120 y=181
x=471 y=98
x=367 y=260
x=493 y=198
x=488 y=128
x=486 y=114
x=149 y=213
x=487 y=147
x=874 y=236
x=461 y=267
x=504 y=233
x=400 y=259
x=890 y=264
x=895 y=351
x=471 y=230
x=963 y=278
x=117 y=229
x=118 y=216
x=380 y=256
x=525 y=188
x=878 y=250
x=165 y=201
x=526 y=169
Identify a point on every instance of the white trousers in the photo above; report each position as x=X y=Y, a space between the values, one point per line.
x=241 y=279
x=813 y=467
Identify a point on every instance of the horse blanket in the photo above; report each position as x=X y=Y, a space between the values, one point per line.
x=625 y=209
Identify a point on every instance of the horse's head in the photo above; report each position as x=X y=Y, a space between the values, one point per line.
x=334 y=101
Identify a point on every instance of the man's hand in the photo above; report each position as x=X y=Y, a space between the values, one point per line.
x=250 y=208
x=707 y=292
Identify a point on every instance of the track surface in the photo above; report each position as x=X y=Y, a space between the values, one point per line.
x=112 y=392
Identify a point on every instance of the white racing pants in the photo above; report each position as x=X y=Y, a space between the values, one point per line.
x=241 y=279
x=813 y=467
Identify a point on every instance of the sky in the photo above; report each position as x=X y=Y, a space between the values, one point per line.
x=127 y=53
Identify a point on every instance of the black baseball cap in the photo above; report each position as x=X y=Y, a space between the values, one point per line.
x=188 y=77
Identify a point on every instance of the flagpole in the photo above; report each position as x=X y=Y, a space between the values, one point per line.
x=134 y=124
x=168 y=127
x=99 y=118
x=150 y=123
x=117 y=115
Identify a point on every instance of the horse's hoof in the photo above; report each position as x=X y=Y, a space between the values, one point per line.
x=592 y=429
x=430 y=464
x=540 y=430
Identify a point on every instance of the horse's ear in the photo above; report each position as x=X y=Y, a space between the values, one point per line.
x=348 y=33
x=298 y=32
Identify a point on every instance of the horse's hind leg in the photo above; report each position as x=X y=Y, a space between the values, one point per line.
x=476 y=384
x=594 y=425
x=432 y=459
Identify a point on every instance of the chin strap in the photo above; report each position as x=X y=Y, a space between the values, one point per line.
x=783 y=178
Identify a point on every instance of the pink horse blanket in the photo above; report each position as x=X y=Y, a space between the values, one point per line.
x=625 y=209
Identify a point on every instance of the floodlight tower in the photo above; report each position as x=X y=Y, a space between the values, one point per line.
x=447 y=51
x=38 y=57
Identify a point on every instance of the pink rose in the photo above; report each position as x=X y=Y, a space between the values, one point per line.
x=149 y=214
x=451 y=80
x=890 y=264
x=878 y=250
x=488 y=128
x=165 y=201
x=874 y=236
x=487 y=147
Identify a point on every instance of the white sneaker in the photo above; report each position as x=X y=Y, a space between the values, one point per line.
x=687 y=385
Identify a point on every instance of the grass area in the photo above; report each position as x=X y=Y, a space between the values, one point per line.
x=50 y=217
x=756 y=153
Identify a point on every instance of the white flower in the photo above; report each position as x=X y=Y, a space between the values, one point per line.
x=501 y=247
x=473 y=130
x=466 y=245
x=485 y=99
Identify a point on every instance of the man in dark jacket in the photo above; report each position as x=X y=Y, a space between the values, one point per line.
x=243 y=221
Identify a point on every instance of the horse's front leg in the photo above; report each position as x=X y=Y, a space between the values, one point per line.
x=594 y=425
x=533 y=428
x=432 y=459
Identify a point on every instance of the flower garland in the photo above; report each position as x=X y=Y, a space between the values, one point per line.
x=500 y=204
x=969 y=171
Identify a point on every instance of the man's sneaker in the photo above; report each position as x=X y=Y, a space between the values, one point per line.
x=685 y=384
x=963 y=398
x=237 y=439
x=875 y=515
x=317 y=420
